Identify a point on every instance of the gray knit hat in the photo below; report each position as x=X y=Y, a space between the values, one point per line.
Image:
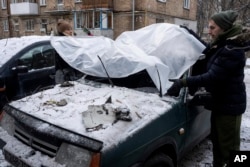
x=225 y=19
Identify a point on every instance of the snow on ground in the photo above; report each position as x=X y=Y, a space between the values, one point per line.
x=201 y=155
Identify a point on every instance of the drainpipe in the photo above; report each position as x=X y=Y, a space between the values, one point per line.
x=9 y=19
x=133 y=15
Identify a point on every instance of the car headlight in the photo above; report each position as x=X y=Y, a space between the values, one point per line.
x=7 y=122
x=71 y=155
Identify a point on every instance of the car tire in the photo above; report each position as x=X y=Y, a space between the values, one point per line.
x=159 y=160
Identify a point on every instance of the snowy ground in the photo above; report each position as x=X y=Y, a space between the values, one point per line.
x=201 y=155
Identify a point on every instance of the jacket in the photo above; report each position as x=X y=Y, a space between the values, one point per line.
x=223 y=76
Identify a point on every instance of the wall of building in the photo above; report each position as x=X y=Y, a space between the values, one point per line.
x=146 y=12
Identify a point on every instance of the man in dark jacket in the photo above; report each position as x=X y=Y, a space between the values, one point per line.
x=224 y=79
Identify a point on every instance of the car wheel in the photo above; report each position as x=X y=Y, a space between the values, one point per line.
x=159 y=160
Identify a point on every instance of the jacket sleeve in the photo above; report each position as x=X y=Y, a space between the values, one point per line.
x=228 y=64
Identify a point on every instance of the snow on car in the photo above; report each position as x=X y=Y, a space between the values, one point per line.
x=105 y=118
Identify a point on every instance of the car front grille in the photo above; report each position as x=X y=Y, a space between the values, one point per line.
x=36 y=143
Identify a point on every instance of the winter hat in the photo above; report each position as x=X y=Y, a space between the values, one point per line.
x=63 y=25
x=225 y=19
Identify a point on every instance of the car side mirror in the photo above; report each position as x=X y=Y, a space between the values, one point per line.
x=20 y=69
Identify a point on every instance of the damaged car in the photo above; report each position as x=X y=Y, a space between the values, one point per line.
x=118 y=113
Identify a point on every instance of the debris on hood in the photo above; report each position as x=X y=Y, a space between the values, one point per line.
x=99 y=116
x=61 y=102
x=66 y=84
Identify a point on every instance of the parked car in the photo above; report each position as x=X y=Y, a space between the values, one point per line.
x=98 y=121
x=26 y=66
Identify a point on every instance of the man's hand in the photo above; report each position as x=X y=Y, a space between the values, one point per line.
x=174 y=90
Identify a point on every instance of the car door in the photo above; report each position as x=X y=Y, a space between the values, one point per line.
x=34 y=69
x=197 y=118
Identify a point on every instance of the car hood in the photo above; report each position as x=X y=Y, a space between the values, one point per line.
x=10 y=46
x=164 y=50
x=78 y=107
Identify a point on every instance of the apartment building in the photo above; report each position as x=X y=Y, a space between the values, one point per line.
x=99 y=17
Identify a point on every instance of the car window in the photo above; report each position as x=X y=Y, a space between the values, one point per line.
x=38 y=57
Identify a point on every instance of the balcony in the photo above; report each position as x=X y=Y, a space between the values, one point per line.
x=59 y=9
x=24 y=8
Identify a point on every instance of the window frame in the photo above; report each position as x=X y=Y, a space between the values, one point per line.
x=5 y=25
x=43 y=2
x=163 y=1
x=186 y=4
x=16 y=24
x=4 y=4
x=29 y=25
x=99 y=19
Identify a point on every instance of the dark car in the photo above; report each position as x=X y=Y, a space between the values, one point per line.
x=146 y=130
x=118 y=117
x=26 y=66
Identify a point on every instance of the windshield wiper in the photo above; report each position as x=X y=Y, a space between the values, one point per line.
x=110 y=81
x=159 y=81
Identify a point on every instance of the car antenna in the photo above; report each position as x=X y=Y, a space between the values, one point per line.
x=159 y=81
x=110 y=81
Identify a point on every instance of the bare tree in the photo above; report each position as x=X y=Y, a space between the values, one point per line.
x=207 y=8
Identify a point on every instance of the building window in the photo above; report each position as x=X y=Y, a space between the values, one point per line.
x=186 y=4
x=106 y=20
x=16 y=25
x=101 y=19
x=5 y=25
x=162 y=1
x=79 y=20
x=4 y=4
x=43 y=26
x=29 y=25
x=30 y=1
x=42 y=2
x=59 y=1
x=14 y=1
x=159 y=20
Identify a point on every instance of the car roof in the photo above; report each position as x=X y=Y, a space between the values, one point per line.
x=10 y=46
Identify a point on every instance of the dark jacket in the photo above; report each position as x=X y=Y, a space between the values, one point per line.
x=224 y=77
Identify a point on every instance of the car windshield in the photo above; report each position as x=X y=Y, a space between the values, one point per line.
x=161 y=51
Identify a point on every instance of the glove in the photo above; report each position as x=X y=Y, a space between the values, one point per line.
x=174 y=90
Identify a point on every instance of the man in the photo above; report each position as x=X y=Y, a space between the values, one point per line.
x=223 y=77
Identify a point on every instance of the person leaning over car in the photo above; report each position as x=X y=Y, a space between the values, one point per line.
x=224 y=79
x=63 y=71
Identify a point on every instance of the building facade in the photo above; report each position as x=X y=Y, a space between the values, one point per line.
x=99 y=17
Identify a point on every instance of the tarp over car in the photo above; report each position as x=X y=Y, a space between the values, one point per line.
x=164 y=50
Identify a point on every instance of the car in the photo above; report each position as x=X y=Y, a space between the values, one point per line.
x=111 y=117
x=26 y=66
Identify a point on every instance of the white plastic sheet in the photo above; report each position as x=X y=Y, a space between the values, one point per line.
x=164 y=50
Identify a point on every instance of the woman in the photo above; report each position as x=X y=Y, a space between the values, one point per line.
x=64 y=72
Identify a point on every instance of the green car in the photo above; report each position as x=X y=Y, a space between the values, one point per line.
x=122 y=127
x=116 y=115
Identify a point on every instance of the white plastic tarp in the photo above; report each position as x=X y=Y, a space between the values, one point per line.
x=164 y=50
